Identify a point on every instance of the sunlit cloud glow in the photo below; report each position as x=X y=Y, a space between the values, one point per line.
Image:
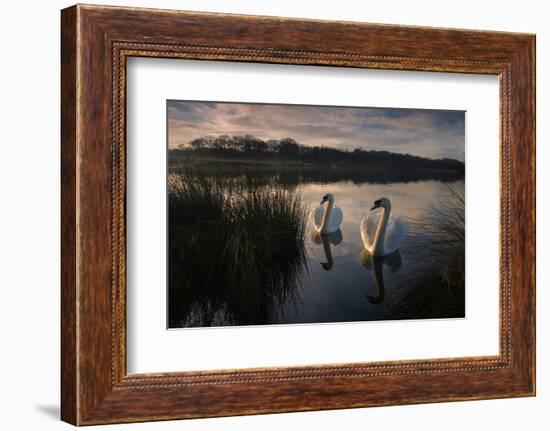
x=422 y=132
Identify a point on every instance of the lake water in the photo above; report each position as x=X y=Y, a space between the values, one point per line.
x=342 y=292
x=340 y=281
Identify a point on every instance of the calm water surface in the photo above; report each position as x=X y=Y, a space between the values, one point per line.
x=340 y=282
x=354 y=287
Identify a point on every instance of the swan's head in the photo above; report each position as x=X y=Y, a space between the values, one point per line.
x=328 y=198
x=381 y=203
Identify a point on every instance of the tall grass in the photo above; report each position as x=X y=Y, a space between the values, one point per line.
x=236 y=251
x=440 y=245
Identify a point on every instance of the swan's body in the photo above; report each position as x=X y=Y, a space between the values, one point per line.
x=328 y=218
x=333 y=238
x=392 y=261
x=382 y=231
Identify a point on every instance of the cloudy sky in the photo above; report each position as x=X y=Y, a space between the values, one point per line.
x=427 y=133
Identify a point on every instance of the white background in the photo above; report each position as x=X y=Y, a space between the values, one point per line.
x=151 y=348
x=29 y=227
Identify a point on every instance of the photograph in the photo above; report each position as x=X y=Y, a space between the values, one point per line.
x=296 y=214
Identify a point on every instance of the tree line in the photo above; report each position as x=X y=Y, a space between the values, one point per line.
x=287 y=149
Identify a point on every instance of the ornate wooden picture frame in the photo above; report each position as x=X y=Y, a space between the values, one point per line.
x=96 y=41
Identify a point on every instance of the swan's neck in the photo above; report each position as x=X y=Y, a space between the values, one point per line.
x=379 y=237
x=326 y=217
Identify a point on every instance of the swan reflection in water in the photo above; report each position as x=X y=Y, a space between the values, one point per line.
x=327 y=239
x=393 y=261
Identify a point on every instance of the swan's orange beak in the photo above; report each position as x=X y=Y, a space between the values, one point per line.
x=376 y=205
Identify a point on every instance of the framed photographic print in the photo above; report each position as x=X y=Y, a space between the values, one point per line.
x=250 y=244
x=265 y=215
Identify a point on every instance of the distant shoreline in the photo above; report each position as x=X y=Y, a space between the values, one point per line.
x=287 y=149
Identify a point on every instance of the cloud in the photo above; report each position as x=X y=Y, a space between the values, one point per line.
x=428 y=133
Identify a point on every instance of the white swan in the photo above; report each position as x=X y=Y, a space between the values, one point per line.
x=382 y=231
x=329 y=219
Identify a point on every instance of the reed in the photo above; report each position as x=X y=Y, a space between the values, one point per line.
x=439 y=287
x=236 y=251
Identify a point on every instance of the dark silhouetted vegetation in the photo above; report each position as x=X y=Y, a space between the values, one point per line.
x=371 y=162
x=439 y=291
x=236 y=253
